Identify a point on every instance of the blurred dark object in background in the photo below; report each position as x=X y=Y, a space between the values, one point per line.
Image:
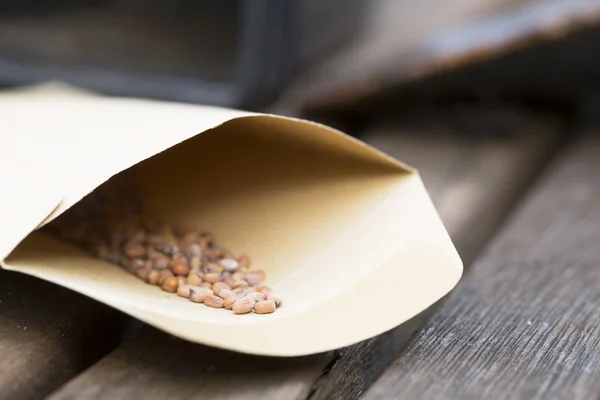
x=421 y=52
x=223 y=52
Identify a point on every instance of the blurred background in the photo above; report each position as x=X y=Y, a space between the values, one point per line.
x=350 y=57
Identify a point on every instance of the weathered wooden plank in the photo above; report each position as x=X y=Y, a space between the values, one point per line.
x=524 y=323
x=392 y=51
x=490 y=170
x=49 y=334
x=474 y=180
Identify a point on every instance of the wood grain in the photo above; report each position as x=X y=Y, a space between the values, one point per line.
x=474 y=178
x=524 y=323
x=467 y=176
x=49 y=334
x=391 y=50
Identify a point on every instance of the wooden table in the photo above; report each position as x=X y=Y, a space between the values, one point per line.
x=522 y=204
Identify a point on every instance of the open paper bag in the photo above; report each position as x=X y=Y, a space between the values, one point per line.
x=346 y=234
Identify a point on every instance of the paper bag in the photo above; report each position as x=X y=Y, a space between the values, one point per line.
x=346 y=234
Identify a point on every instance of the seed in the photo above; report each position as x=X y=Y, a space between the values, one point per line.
x=230 y=264
x=164 y=274
x=198 y=294
x=164 y=247
x=239 y=284
x=212 y=277
x=207 y=285
x=243 y=305
x=238 y=291
x=256 y=296
x=142 y=273
x=224 y=293
x=134 y=249
x=160 y=262
x=276 y=298
x=180 y=267
x=238 y=276
x=265 y=307
x=230 y=300
x=219 y=285
x=213 y=301
x=244 y=262
x=230 y=281
x=193 y=250
x=132 y=264
x=153 y=277
x=184 y=291
x=212 y=267
x=249 y=289
x=170 y=284
x=264 y=289
x=255 y=277
x=193 y=279
x=195 y=262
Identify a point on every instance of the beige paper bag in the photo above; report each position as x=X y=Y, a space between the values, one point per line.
x=347 y=235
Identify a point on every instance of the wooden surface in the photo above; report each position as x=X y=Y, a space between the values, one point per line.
x=474 y=181
x=391 y=50
x=49 y=334
x=524 y=323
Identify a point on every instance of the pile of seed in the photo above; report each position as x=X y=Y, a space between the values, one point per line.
x=179 y=260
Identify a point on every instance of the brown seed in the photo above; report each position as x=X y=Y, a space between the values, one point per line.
x=230 y=300
x=193 y=279
x=195 y=262
x=238 y=276
x=249 y=289
x=265 y=307
x=213 y=267
x=212 y=277
x=198 y=294
x=165 y=248
x=192 y=250
x=238 y=291
x=164 y=274
x=170 y=284
x=160 y=262
x=184 y=291
x=244 y=262
x=255 y=277
x=142 y=273
x=239 y=284
x=264 y=289
x=207 y=285
x=134 y=249
x=224 y=293
x=276 y=298
x=243 y=305
x=153 y=277
x=219 y=285
x=256 y=296
x=229 y=280
x=181 y=280
x=132 y=264
x=230 y=264
x=214 y=301
x=180 y=267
